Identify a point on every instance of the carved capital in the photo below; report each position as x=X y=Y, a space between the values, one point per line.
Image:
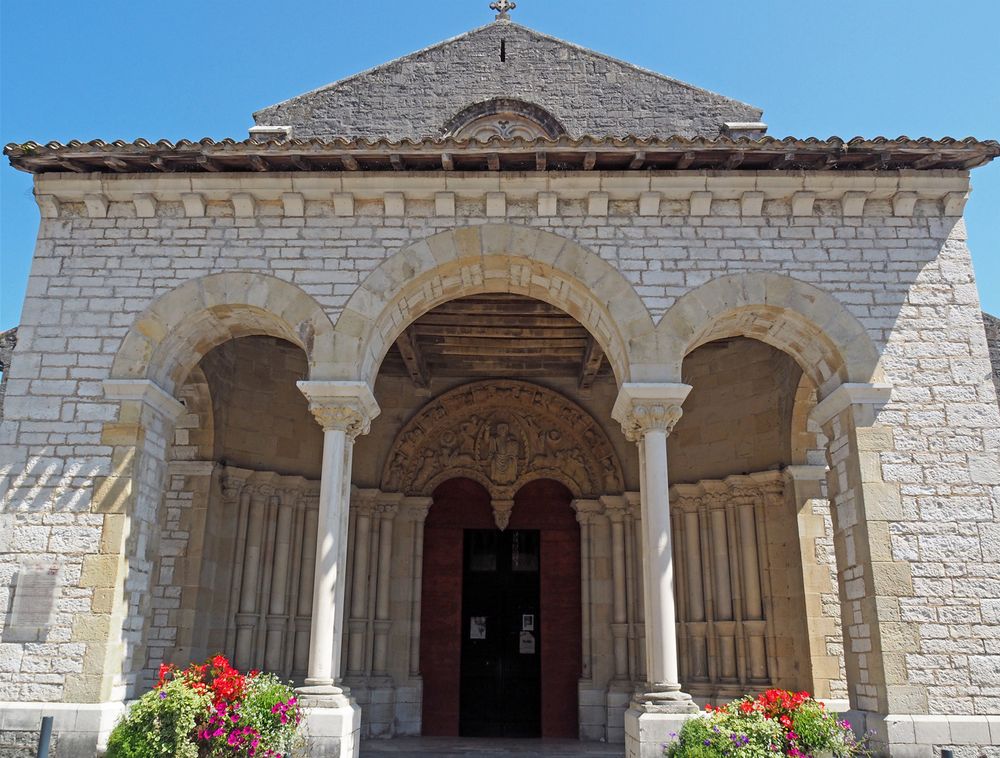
x=644 y=408
x=587 y=510
x=650 y=417
x=347 y=407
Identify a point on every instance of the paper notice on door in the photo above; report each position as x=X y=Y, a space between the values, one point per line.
x=477 y=628
x=527 y=646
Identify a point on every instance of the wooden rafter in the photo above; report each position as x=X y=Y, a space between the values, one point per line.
x=413 y=358
x=593 y=356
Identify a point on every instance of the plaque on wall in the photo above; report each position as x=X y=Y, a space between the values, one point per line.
x=35 y=589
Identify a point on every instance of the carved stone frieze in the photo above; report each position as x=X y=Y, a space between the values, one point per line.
x=502 y=434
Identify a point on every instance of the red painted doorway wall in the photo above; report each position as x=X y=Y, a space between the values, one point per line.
x=461 y=504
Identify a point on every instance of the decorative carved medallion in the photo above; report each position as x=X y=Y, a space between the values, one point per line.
x=502 y=434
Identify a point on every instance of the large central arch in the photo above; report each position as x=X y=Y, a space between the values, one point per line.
x=489 y=258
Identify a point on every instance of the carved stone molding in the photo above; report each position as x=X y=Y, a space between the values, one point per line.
x=502 y=434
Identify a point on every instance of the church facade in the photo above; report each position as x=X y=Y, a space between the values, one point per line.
x=505 y=389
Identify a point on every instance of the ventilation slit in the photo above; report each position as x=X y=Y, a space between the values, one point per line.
x=503 y=51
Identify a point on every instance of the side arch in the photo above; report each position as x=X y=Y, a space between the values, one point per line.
x=827 y=341
x=179 y=328
x=483 y=259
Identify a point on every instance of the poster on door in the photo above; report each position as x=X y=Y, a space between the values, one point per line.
x=477 y=628
x=527 y=644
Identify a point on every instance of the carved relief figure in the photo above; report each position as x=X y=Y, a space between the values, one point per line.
x=502 y=450
x=504 y=434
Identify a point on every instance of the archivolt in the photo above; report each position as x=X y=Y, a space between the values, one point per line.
x=828 y=342
x=489 y=258
x=179 y=328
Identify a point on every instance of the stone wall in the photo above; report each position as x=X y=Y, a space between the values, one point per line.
x=588 y=93
x=992 y=324
x=738 y=417
x=900 y=268
x=8 y=340
x=262 y=420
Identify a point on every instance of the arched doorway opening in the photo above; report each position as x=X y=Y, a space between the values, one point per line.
x=496 y=428
x=501 y=642
x=756 y=573
x=235 y=548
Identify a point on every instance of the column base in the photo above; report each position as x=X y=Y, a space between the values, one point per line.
x=332 y=724
x=654 y=718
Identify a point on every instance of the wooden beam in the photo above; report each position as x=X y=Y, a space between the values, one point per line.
x=116 y=163
x=782 y=161
x=258 y=163
x=540 y=161
x=70 y=165
x=638 y=161
x=589 y=161
x=206 y=163
x=927 y=160
x=686 y=160
x=299 y=162
x=348 y=162
x=398 y=164
x=416 y=366
x=877 y=161
x=733 y=160
x=159 y=164
x=447 y=162
x=493 y=161
x=593 y=357
x=503 y=331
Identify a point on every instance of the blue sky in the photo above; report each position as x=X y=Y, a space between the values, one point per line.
x=194 y=68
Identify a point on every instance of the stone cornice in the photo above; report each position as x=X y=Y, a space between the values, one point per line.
x=846 y=395
x=666 y=193
x=147 y=392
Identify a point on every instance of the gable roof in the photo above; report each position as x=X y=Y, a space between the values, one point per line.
x=588 y=93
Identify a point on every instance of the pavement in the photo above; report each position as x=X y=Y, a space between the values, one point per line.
x=453 y=747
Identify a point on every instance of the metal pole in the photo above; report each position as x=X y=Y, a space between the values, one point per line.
x=44 y=737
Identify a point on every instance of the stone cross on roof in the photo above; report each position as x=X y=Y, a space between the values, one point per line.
x=503 y=8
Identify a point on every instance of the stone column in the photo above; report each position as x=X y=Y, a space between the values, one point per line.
x=383 y=621
x=358 y=622
x=648 y=413
x=418 y=507
x=615 y=510
x=345 y=410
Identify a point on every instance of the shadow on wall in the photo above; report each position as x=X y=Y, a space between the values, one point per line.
x=992 y=324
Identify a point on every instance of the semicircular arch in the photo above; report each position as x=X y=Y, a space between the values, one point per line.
x=812 y=326
x=174 y=333
x=502 y=434
x=486 y=259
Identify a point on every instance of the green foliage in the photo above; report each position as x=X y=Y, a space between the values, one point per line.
x=161 y=723
x=775 y=723
x=725 y=734
x=263 y=707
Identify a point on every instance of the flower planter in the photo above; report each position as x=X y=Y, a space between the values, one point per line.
x=773 y=723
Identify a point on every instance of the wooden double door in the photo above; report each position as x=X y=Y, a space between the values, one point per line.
x=500 y=691
x=482 y=591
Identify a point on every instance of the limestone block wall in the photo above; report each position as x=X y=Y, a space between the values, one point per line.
x=897 y=263
x=738 y=417
x=992 y=324
x=7 y=341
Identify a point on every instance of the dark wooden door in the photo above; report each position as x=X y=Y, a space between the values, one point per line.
x=500 y=692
